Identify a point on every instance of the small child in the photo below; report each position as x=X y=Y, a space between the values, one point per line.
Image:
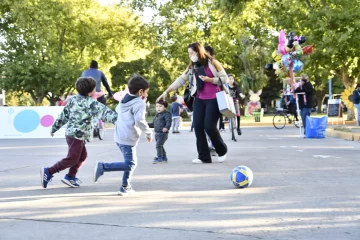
x=130 y=123
x=175 y=113
x=161 y=124
x=78 y=114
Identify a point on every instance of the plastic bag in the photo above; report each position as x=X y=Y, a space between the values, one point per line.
x=316 y=127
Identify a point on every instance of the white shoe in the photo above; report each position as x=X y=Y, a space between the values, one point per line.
x=197 y=161
x=222 y=158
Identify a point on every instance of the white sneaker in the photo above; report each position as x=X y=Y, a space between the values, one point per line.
x=197 y=161
x=222 y=158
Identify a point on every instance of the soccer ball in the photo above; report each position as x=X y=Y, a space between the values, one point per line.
x=241 y=176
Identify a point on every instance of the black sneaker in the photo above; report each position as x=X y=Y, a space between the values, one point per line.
x=239 y=131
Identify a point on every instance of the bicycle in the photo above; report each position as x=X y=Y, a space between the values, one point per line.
x=99 y=131
x=283 y=117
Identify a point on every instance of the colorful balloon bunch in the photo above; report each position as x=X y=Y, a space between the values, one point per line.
x=287 y=56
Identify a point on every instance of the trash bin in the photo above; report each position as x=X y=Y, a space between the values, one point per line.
x=257 y=116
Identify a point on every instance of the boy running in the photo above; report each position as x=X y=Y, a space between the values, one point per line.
x=80 y=114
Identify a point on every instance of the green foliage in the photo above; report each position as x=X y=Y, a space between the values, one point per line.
x=150 y=68
x=48 y=43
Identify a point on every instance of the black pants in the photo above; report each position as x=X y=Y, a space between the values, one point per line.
x=221 y=123
x=160 y=141
x=292 y=109
x=206 y=116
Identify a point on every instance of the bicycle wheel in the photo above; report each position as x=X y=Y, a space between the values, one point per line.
x=101 y=133
x=232 y=124
x=91 y=137
x=279 y=120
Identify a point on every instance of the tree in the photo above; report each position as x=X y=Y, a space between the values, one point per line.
x=47 y=43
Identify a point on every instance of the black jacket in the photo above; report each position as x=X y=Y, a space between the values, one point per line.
x=161 y=120
x=356 y=96
x=308 y=89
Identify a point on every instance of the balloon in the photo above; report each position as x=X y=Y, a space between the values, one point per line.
x=302 y=39
x=297 y=46
x=282 y=40
x=298 y=65
x=307 y=50
x=269 y=66
x=119 y=95
x=287 y=49
x=275 y=66
x=290 y=42
x=282 y=37
x=285 y=60
x=276 y=55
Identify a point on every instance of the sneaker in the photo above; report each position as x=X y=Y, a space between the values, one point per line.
x=71 y=181
x=125 y=190
x=213 y=151
x=165 y=159
x=196 y=161
x=239 y=131
x=45 y=177
x=98 y=171
x=222 y=158
x=157 y=160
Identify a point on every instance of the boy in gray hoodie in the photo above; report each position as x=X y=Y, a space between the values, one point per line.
x=129 y=125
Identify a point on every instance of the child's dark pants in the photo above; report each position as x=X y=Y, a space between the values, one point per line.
x=76 y=156
x=160 y=141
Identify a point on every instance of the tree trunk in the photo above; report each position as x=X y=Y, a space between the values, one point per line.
x=319 y=102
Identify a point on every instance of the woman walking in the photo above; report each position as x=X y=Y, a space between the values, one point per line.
x=204 y=74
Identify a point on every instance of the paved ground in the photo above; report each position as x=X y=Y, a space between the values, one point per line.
x=302 y=189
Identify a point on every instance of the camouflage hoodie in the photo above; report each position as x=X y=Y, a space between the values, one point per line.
x=81 y=115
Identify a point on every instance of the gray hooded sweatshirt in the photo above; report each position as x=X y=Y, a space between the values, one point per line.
x=131 y=121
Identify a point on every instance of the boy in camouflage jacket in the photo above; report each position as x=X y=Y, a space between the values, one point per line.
x=79 y=114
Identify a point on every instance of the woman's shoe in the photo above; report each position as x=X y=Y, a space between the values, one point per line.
x=222 y=158
x=196 y=161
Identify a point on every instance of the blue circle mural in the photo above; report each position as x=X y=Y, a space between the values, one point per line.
x=26 y=121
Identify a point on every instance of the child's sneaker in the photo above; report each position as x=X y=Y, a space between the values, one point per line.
x=71 y=181
x=98 y=171
x=45 y=177
x=125 y=190
x=157 y=160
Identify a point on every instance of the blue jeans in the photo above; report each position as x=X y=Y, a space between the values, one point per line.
x=358 y=113
x=128 y=166
x=304 y=113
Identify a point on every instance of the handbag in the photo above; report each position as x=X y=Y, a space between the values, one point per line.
x=225 y=101
x=190 y=93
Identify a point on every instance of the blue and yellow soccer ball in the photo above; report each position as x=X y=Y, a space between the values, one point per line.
x=241 y=176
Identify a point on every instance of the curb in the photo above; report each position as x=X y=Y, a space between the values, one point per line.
x=343 y=135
